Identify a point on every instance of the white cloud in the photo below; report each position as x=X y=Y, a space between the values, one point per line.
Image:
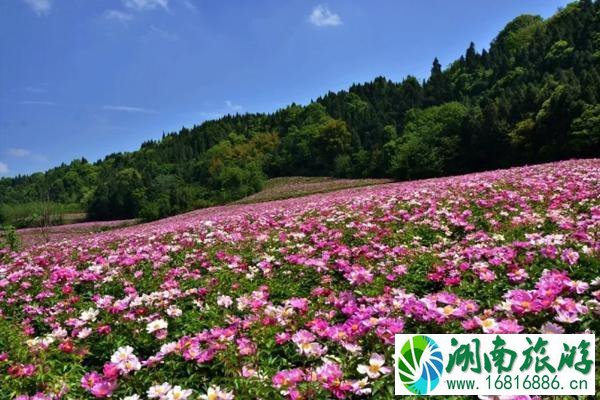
x=154 y=31
x=229 y=108
x=3 y=168
x=17 y=152
x=233 y=107
x=40 y=7
x=34 y=89
x=127 y=109
x=321 y=16
x=37 y=103
x=189 y=5
x=146 y=4
x=119 y=16
x=210 y=114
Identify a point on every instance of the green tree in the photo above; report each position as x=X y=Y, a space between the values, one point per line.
x=584 y=134
x=333 y=139
x=119 y=197
x=438 y=87
x=429 y=144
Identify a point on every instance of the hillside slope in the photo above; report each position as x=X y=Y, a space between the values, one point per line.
x=531 y=97
x=274 y=189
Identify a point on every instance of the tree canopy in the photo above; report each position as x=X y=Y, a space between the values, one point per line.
x=533 y=96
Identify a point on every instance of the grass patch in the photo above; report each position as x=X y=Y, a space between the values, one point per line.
x=37 y=213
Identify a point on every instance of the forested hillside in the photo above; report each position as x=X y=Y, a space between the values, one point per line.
x=532 y=97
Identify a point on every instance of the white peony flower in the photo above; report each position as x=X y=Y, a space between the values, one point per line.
x=224 y=301
x=158 y=391
x=215 y=393
x=125 y=360
x=375 y=368
x=156 y=325
x=85 y=332
x=177 y=393
x=89 y=315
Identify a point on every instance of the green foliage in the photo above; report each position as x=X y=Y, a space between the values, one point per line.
x=429 y=142
x=120 y=196
x=37 y=213
x=333 y=140
x=9 y=238
x=560 y=53
x=518 y=33
x=585 y=131
x=531 y=97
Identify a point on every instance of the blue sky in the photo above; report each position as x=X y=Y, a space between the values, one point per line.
x=88 y=78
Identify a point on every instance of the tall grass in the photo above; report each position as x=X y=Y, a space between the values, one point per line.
x=39 y=213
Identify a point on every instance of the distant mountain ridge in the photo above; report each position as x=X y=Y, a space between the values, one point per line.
x=532 y=97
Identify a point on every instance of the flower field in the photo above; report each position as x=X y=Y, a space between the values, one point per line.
x=300 y=298
x=37 y=236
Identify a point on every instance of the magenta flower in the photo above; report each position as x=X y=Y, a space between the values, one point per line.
x=103 y=389
x=570 y=256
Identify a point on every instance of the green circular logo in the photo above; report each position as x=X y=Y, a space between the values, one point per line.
x=420 y=364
